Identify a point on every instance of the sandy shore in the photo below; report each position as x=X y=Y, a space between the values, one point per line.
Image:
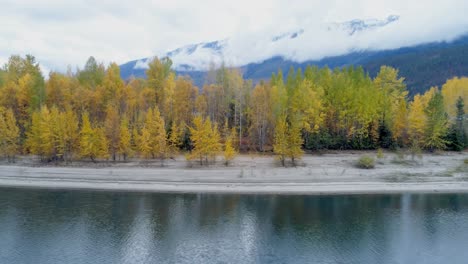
x=331 y=173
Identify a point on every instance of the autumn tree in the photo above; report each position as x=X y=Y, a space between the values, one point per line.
x=318 y=108
x=168 y=100
x=400 y=124
x=125 y=140
x=417 y=121
x=92 y=74
x=259 y=113
x=69 y=122
x=113 y=88
x=306 y=104
x=174 y=140
x=158 y=71
x=391 y=93
x=40 y=136
x=112 y=131
x=60 y=92
x=153 y=136
x=452 y=90
x=206 y=140
x=9 y=134
x=280 y=146
x=437 y=123
x=183 y=106
x=93 y=142
x=229 y=149
x=294 y=140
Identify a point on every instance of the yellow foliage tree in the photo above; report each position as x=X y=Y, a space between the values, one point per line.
x=125 y=140
x=40 y=136
x=400 y=123
x=451 y=91
x=174 y=140
x=260 y=114
x=437 y=123
x=93 y=142
x=9 y=134
x=154 y=125
x=417 y=122
x=206 y=140
x=229 y=150
x=295 y=140
x=280 y=146
x=306 y=103
x=288 y=139
x=168 y=100
x=69 y=121
x=112 y=130
x=144 y=144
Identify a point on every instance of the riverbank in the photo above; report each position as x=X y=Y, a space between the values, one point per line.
x=330 y=173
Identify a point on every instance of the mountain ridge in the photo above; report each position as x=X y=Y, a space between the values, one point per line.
x=418 y=63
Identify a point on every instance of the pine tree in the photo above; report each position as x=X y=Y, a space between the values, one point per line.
x=457 y=139
x=462 y=138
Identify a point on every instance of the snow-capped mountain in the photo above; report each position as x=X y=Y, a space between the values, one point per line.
x=295 y=45
x=367 y=43
x=357 y=25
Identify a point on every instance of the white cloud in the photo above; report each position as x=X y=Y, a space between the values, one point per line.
x=61 y=33
x=142 y=64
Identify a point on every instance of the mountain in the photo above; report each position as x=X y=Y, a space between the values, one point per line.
x=422 y=65
x=239 y=51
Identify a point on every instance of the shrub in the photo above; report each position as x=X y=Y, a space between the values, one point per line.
x=380 y=154
x=366 y=162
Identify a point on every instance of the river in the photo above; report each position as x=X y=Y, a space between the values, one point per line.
x=41 y=226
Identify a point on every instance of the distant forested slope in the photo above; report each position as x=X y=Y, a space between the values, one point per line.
x=423 y=66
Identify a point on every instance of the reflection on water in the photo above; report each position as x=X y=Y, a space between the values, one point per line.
x=89 y=227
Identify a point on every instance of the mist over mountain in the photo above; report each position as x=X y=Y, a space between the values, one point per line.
x=336 y=44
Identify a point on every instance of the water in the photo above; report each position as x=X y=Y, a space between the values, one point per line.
x=91 y=227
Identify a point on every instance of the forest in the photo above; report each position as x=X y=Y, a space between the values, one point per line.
x=93 y=114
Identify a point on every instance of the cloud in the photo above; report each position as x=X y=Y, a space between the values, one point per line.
x=142 y=64
x=66 y=33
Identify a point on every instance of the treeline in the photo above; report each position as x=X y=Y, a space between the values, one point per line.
x=93 y=113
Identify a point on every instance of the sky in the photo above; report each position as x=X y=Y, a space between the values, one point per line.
x=65 y=33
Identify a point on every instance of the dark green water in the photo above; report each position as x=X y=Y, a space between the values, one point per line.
x=87 y=227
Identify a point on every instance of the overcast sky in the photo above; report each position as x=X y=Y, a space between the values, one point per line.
x=61 y=33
